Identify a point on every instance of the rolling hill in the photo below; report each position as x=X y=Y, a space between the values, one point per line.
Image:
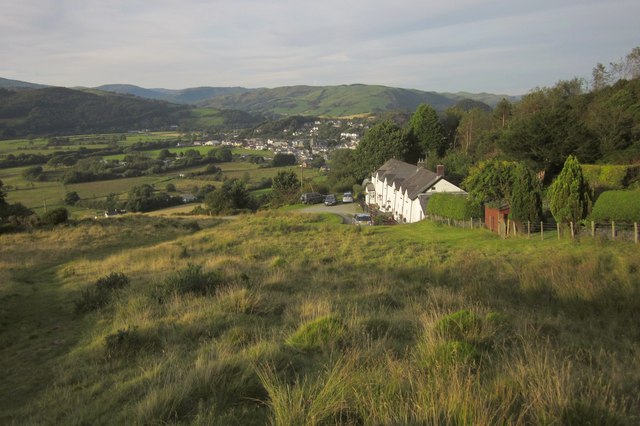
x=331 y=101
x=58 y=110
x=192 y=95
x=6 y=83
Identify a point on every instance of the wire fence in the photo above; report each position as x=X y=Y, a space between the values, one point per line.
x=617 y=231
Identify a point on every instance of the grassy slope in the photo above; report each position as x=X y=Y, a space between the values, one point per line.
x=332 y=101
x=321 y=322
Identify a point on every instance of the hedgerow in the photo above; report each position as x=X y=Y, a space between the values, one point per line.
x=453 y=206
x=617 y=205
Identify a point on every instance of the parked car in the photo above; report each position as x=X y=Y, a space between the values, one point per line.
x=330 y=200
x=362 y=219
x=311 y=198
x=347 y=197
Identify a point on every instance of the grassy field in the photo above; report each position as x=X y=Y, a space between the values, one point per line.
x=39 y=145
x=287 y=318
x=35 y=194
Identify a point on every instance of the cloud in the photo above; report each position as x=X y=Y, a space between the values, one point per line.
x=495 y=45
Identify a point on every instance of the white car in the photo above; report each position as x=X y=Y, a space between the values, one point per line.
x=362 y=219
x=347 y=197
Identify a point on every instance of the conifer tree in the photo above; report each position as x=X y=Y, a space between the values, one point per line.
x=569 y=193
x=525 y=198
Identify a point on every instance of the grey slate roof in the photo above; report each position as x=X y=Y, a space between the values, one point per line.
x=407 y=177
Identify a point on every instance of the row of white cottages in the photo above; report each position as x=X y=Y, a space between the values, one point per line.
x=404 y=189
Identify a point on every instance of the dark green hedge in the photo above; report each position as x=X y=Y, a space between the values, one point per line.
x=453 y=206
x=617 y=205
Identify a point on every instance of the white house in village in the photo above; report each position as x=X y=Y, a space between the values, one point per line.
x=404 y=189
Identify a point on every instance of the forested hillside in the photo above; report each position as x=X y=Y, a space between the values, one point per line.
x=58 y=110
x=61 y=111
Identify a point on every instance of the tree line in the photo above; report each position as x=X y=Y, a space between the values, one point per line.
x=596 y=122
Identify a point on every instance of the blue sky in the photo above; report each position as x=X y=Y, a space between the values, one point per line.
x=497 y=46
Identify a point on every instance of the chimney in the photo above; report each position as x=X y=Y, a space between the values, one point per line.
x=420 y=164
x=440 y=170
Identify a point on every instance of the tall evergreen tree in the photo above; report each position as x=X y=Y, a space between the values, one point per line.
x=569 y=193
x=381 y=143
x=427 y=129
x=525 y=198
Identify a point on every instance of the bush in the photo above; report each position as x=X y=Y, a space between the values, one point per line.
x=100 y=294
x=605 y=176
x=317 y=334
x=451 y=353
x=129 y=342
x=194 y=280
x=453 y=206
x=458 y=325
x=617 y=205
x=71 y=198
x=55 y=216
x=113 y=281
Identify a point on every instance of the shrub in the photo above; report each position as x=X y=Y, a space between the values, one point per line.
x=113 y=281
x=458 y=324
x=71 y=198
x=617 y=205
x=55 y=216
x=100 y=294
x=322 y=332
x=453 y=206
x=452 y=353
x=605 y=176
x=194 y=280
x=129 y=342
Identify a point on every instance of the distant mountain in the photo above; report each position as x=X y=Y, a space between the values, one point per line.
x=333 y=101
x=193 y=95
x=5 y=83
x=330 y=101
x=340 y=101
x=58 y=110
x=327 y=101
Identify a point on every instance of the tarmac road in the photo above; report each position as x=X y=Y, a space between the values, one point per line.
x=346 y=211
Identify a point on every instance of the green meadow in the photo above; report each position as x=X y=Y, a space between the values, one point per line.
x=292 y=319
x=52 y=192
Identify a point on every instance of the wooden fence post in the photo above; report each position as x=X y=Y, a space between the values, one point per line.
x=542 y=231
x=515 y=229
x=573 y=234
x=613 y=230
x=593 y=229
x=558 y=227
x=528 y=229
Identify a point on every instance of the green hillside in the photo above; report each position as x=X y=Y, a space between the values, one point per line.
x=193 y=95
x=331 y=101
x=58 y=110
x=334 y=101
x=61 y=111
x=292 y=319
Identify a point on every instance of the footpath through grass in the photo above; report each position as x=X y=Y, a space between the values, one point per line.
x=290 y=318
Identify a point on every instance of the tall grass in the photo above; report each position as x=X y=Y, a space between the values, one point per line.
x=311 y=323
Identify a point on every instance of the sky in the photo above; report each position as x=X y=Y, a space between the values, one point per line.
x=497 y=46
